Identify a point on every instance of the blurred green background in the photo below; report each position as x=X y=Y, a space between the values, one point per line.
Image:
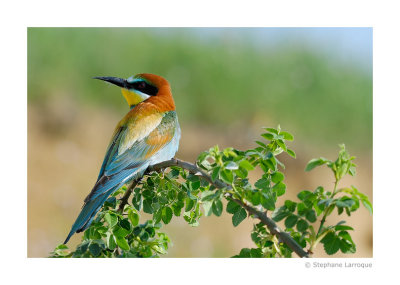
x=227 y=84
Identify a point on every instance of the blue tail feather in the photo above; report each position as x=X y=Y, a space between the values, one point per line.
x=88 y=213
x=99 y=195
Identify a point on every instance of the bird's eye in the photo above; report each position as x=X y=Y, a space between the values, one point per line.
x=144 y=87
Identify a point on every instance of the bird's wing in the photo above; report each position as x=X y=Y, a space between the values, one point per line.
x=138 y=141
x=133 y=144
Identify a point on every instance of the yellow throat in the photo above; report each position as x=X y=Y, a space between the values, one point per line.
x=133 y=98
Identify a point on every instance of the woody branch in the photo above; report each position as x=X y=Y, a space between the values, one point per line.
x=193 y=169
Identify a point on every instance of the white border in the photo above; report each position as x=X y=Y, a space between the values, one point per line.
x=17 y=15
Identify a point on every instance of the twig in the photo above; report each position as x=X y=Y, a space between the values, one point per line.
x=274 y=229
x=124 y=199
x=326 y=210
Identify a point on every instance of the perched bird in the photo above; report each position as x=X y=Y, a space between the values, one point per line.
x=148 y=134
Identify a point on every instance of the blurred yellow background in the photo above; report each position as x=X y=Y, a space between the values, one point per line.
x=227 y=84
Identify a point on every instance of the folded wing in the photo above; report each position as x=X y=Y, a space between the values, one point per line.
x=138 y=141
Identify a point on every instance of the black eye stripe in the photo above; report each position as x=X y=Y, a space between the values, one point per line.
x=144 y=87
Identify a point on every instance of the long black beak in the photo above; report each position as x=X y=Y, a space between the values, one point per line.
x=114 y=80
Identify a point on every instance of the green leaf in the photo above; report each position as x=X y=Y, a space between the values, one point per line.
x=157 y=215
x=277 y=177
x=241 y=172
x=217 y=207
x=316 y=162
x=367 y=204
x=345 y=202
x=346 y=242
x=301 y=209
x=122 y=243
x=111 y=219
x=95 y=249
x=256 y=198
x=268 y=136
x=291 y=153
x=272 y=130
x=207 y=206
x=202 y=156
x=352 y=170
x=62 y=250
x=291 y=221
x=302 y=225
x=325 y=202
x=111 y=244
x=83 y=247
x=232 y=207
x=190 y=195
x=147 y=208
x=261 y=144
x=145 y=236
x=125 y=224
x=268 y=202
x=231 y=165
x=343 y=228
x=133 y=217
x=286 y=136
x=347 y=247
x=102 y=229
x=166 y=215
x=177 y=208
x=244 y=253
x=195 y=185
x=228 y=152
x=290 y=205
x=303 y=195
x=280 y=213
x=147 y=193
x=137 y=231
x=227 y=176
x=246 y=165
x=269 y=164
x=279 y=188
x=255 y=253
x=238 y=217
x=255 y=237
x=345 y=235
x=137 y=202
x=93 y=233
x=209 y=195
x=311 y=216
x=215 y=173
x=156 y=204
x=62 y=246
x=120 y=231
x=174 y=173
x=262 y=183
x=331 y=243
x=281 y=144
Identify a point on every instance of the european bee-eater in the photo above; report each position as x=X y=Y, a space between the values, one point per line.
x=148 y=134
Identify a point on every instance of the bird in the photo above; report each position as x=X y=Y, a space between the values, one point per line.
x=148 y=134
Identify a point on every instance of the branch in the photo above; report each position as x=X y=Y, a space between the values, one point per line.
x=124 y=199
x=274 y=229
x=272 y=226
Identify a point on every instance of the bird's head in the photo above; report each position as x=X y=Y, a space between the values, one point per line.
x=141 y=87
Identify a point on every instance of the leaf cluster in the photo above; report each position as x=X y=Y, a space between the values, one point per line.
x=303 y=214
x=116 y=234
